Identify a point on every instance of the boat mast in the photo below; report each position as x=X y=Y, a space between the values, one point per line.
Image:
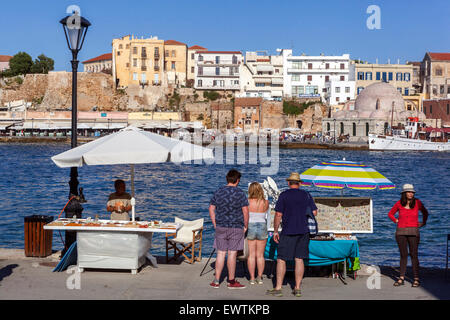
x=392 y=117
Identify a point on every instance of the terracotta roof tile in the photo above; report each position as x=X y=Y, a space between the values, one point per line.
x=174 y=43
x=439 y=55
x=5 y=58
x=245 y=102
x=197 y=48
x=106 y=56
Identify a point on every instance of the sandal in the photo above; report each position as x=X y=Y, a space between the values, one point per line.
x=416 y=283
x=399 y=282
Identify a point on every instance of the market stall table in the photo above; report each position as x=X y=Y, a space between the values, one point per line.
x=322 y=253
x=110 y=244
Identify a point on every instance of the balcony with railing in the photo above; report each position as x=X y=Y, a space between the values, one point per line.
x=221 y=62
x=318 y=70
x=222 y=73
x=211 y=87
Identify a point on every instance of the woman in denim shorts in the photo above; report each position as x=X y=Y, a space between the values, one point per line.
x=257 y=231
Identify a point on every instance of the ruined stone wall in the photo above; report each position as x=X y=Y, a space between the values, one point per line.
x=54 y=91
x=273 y=117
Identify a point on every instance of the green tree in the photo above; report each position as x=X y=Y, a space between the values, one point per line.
x=42 y=64
x=20 y=64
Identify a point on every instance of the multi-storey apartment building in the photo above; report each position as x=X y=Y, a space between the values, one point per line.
x=398 y=75
x=218 y=70
x=191 y=61
x=138 y=61
x=98 y=64
x=435 y=74
x=175 y=65
x=339 y=92
x=306 y=76
x=262 y=75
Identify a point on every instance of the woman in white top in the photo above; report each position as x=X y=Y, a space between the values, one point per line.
x=257 y=231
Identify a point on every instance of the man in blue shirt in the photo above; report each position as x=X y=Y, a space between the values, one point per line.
x=292 y=207
x=228 y=210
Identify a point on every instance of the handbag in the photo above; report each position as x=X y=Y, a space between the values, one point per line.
x=312 y=222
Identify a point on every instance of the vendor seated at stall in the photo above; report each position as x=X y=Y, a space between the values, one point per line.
x=119 y=202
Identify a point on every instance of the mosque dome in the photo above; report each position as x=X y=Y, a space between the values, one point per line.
x=381 y=97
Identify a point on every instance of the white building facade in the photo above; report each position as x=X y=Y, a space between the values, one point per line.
x=262 y=76
x=306 y=76
x=218 y=70
x=339 y=92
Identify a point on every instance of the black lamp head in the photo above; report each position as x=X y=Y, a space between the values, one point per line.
x=75 y=29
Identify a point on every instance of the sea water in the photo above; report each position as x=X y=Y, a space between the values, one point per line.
x=32 y=184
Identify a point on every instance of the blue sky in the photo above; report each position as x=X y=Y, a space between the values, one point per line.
x=408 y=28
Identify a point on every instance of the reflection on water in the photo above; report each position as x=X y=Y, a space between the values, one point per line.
x=32 y=184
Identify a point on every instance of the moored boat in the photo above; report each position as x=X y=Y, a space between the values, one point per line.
x=412 y=137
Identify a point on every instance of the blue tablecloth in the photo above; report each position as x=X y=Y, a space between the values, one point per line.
x=321 y=253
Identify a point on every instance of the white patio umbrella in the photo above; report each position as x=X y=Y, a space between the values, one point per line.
x=131 y=146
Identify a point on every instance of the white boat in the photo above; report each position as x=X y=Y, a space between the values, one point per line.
x=409 y=138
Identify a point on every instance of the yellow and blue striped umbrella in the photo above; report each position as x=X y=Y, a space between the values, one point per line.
x=341 y=174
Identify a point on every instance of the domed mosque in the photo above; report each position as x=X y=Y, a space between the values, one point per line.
x=376 y=107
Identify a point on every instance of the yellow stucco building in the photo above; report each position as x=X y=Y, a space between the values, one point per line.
x=397 y=75
x=148 y=61
x=138 y=61
x=175 y=62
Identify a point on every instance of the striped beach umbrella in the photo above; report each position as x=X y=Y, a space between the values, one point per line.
x=341 y=174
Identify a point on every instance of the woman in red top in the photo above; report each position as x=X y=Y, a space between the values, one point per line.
x=407 y=234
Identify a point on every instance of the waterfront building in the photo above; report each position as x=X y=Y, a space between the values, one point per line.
x=247 y=114
x=438 y=109
x=435 y=75
x=306 y=76
x=191 y=63
x=99 y=64
x=218 y=70
x=415 y=79
x=398 y=75
x=175 y=62
x=138 y=61
x=378 y=107
x=262 y=75
x=338 y=92
x=4 y=62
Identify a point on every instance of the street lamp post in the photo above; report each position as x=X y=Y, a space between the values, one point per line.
x=75 y=28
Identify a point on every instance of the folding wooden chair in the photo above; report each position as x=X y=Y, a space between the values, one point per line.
x=242 y=255
x=186 y=242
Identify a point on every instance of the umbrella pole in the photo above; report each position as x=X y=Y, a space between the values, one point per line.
x=133 y=201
